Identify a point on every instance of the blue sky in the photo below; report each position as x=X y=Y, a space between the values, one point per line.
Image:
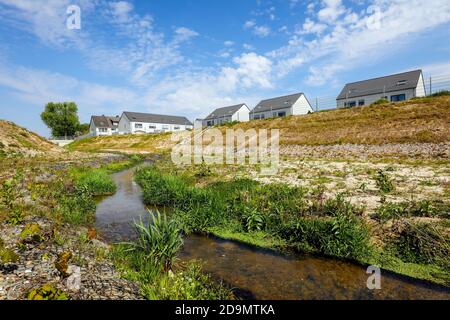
x=188 y=57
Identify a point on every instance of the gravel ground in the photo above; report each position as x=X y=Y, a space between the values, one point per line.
x=36 y=267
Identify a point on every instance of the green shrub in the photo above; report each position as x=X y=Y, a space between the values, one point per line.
x=343 y=235
x=159 y=240
x=383 y=182
x=423 y=208
x=380 y=101
x=95 y=181
x=422 y=243
x=441 y=93
x=47 y=292
x=77 y=207
x=187 y=284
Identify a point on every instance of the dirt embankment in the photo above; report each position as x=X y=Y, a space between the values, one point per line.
x=17 y=141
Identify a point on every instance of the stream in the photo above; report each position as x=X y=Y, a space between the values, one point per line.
x=258 y=273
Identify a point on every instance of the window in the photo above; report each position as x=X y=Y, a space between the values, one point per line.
x=352 y=104
x=401 y=82
x=165 y=127
x=138 y=125
x=398 y=97
x=102 y=130
x=209 y=123
x=263 y=116
x=152 y=127
x=257 y=117
x=176 y=128
x=282 y=114
x=274 y=114
x=361 y=102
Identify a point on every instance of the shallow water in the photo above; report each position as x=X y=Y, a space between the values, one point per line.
x=257 y=273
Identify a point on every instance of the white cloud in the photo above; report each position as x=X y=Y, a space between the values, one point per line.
x=331 y=10
x=247 y=46
x=261 y=31
x=249 y=24
x=356 y=38
x=184 y=34
x=228 y=43
x=122 y=10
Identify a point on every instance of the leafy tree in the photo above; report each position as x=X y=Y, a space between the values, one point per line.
x=61 y=118
x=83 y=128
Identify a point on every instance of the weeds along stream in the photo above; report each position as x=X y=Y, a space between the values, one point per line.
x=252 y=272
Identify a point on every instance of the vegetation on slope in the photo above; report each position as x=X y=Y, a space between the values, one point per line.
x=17 y=141
x=415 y=121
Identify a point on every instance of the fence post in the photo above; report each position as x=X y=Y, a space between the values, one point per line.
x=431 y=86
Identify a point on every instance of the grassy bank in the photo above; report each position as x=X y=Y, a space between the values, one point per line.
x=151 y=262
x=294 y=218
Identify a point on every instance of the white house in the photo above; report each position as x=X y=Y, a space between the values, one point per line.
x=397 y=87
x=141 y=123
x=104 y=125
x=238 y=112
x=294 y=104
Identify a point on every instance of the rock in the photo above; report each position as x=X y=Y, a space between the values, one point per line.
x=73 y=282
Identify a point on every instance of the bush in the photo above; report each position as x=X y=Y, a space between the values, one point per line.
x=159 y=240
x=383 y=182
x=47 y=292
x=187 y=284
x=423 y=208
x=77 y=207
x=422 y=243
x=380 y=101
x=441 y=93
x=342 y=235
x=95 y=181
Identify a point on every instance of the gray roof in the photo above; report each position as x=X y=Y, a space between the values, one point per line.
x=225 y=111
x=105 y=121
x=156 y=118
x=277 y=103
x=401 y=81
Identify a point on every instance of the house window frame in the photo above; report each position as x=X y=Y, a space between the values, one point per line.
x=397 y=97
x=138 y=126
x=102 y=130
x=361 y=102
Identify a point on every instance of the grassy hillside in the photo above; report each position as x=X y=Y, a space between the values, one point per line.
x=420 y=120
x=415 y=121
x=15 y=140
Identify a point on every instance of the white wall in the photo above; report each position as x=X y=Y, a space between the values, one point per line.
x=142 y=127
x=302 y=106
x=96 y=131
x=242 y=115
x=420 y=90
x=369 y=99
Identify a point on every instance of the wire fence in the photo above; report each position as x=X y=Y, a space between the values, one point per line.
x=432 y=84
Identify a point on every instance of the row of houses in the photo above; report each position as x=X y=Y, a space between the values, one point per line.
x=294 y=104
x=137 y=123
x=394 y=88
